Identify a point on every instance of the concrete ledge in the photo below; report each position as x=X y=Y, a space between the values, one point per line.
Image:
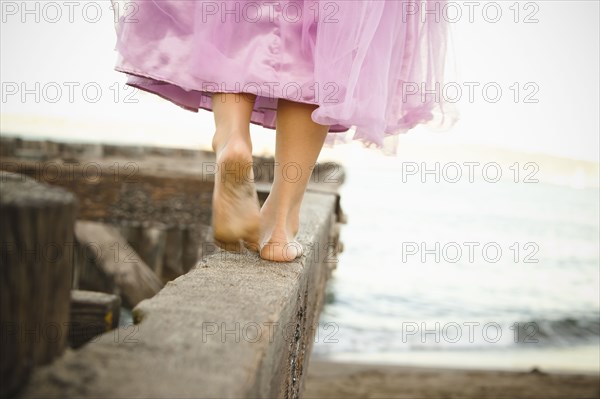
x=233 y=326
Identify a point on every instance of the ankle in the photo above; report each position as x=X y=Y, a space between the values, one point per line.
x=281 y=218
x=235 y=139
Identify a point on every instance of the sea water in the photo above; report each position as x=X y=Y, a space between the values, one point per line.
x=435 y=269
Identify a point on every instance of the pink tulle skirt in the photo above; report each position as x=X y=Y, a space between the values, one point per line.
x=373 y=65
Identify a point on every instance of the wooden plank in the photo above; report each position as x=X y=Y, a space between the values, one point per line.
x=92 y=314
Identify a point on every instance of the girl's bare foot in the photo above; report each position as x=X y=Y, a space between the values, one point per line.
x=299 y=141
x=236 y=214
x=278 y=233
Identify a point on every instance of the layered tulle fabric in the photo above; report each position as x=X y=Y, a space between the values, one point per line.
x=377 y=66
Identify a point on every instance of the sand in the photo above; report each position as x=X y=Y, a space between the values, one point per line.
x=347 y=380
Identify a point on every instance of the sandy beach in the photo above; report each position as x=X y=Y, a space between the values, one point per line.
x=353 y=380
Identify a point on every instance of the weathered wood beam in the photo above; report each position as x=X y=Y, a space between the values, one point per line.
x=36 y=254
x=92 y=314
x=117 y=260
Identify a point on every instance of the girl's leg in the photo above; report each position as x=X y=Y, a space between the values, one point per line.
x=236 y=214
x=299 y=142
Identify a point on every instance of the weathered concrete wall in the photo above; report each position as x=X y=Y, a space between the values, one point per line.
x=233 y=326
